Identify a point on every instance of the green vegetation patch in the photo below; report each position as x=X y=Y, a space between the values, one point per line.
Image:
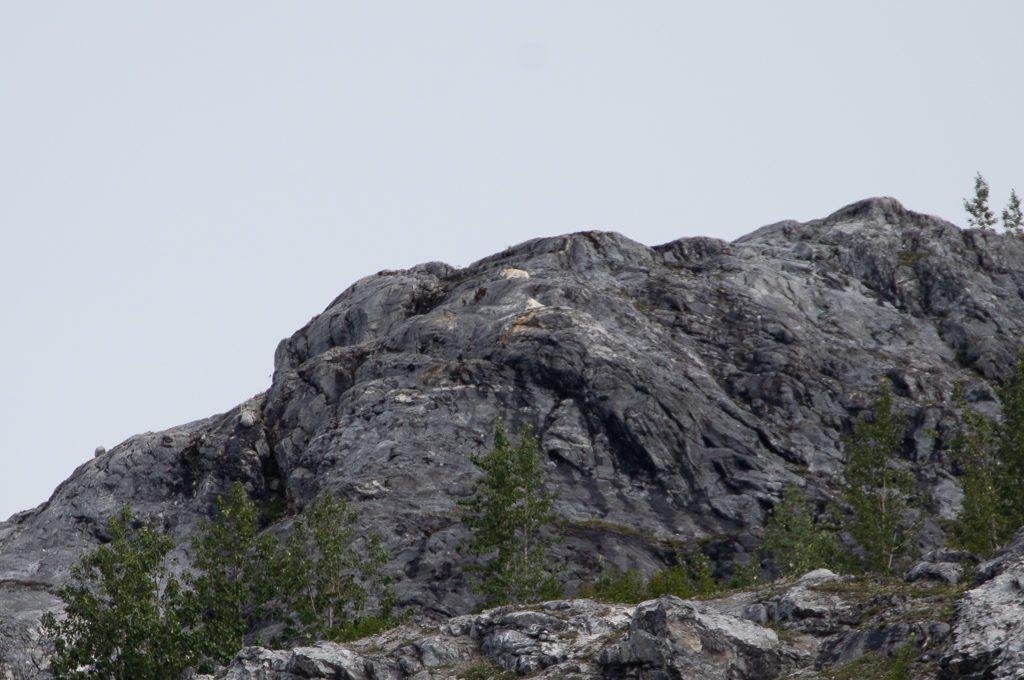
x=486 y=670
x=872 y=666
x=894 y=600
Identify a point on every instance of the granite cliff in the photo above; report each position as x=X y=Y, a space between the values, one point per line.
x=676 y=390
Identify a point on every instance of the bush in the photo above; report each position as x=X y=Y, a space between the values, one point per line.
x=690 y=576
x=793 y=541
x=616 y=585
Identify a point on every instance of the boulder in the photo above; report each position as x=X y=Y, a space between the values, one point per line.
x=672 y=638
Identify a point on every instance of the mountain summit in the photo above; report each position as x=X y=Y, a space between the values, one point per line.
x=676 y=390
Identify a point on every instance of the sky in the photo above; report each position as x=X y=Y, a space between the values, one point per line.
x=184 y=184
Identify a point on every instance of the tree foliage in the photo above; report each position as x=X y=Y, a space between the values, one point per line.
x=978 y=213
x=231 y=589
x=878 y=488
x=1011 y=445
x=990 y=455
x=325 y=583
x=510 y=521
x=981 y=526
x=127 y=617
x=793 y=540
x=615 y=585
x=124 y=611
x=1013 y=220
x=689 y=575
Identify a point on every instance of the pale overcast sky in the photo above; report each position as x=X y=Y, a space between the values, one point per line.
x=186 y=183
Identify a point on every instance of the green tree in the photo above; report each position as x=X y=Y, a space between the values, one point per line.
x=231 y=589
x=990 y=456
x=1012 y=218
x=123 y=615
x=793 y=540
x=877 y=487
x=128 y=618
x=982 y=525
x=326 y=585
x=1010 y=469
x=509 y=517
x=979 y=214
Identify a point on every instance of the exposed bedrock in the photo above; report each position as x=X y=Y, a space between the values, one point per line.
x=676 y=390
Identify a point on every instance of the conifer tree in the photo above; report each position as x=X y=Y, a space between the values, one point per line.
x=509 y=517
x=1012 y=218
x=979 y=214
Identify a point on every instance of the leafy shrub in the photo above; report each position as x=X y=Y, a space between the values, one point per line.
x=690 y=576
x=616 y=585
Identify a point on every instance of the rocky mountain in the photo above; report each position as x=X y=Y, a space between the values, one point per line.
x=676 y=390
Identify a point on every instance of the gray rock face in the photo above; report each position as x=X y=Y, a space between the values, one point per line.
x=988 y=632
x=676 y=390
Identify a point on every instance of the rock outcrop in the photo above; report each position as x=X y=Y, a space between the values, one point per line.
x=676 y=390
x=816 y=623
x=988 y=630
